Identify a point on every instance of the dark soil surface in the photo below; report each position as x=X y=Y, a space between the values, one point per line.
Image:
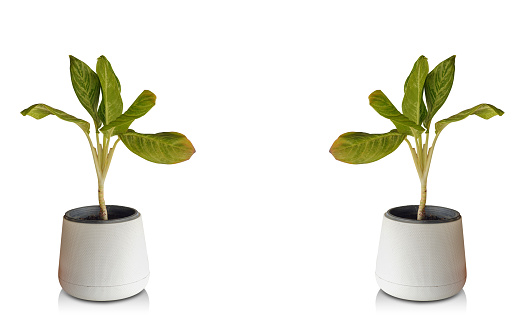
x=433 y=214
x=432 y=217
x=97 y=217
x=428 y=217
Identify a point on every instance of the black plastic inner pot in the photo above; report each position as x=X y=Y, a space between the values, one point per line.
x=90 y=214
x=433 y=214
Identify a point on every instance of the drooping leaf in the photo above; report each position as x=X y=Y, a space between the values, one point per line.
x=362 y=148
x=382 y=105
x=87 y=87
x=162 y=148
x=144 y=102
x=111 y=105
x=39 y=111
x=485 y=111
x=437 y=87
x=413 y=106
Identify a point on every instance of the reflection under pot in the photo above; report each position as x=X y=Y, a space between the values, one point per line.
x=386 y=303
x=69 y=304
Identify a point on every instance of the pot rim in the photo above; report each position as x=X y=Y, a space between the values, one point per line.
x=126 y=214
x=448 y=214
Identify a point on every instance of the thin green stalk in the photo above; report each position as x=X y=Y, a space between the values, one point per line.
x=104 y=154
x=420 y=154
x=414 y=157
x=95 y=156
x=103 y=214
x=429 y=156
x=425 y=147
x=102 y=177
x=106 y=143
x=100 y=152
x=424 y=177
x=424 y=151
x=110 y=156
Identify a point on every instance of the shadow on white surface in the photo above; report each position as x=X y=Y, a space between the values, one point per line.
x=69 y=304
x=386 y=303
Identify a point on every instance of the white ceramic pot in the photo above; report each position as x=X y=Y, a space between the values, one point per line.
x=421 y=260
x=103 y=260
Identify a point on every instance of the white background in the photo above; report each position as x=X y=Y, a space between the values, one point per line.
x=262 y=227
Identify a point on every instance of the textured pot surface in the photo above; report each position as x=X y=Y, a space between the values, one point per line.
x=421 y=260
x=103 y=260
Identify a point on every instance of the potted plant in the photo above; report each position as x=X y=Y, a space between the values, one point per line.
x=421 y=253
x=103 y=251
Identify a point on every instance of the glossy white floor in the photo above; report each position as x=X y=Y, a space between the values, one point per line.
x=262 y=227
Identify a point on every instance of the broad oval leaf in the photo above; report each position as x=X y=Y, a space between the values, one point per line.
x=87 y=87
x=162 y=148
x=39 y=111
x=437 y=87
x=484 y=111
x=144 y=102
x=413 y=106
x=111 y=105
x=362 y=148
x=382 y=105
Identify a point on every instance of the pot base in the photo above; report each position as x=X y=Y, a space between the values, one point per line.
x=104 y=293
x=420 y=293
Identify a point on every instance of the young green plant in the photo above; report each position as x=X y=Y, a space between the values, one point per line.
x=414 y=122
x=162 y=148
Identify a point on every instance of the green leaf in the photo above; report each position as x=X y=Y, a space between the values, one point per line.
x=144 y=102
x=162 y=148
x=413 y=106
x=385 y=108
x=485 y=111
x=437 y=87
x=362 y=148
x=87 y=87
x=39 y=111
x=111 y=104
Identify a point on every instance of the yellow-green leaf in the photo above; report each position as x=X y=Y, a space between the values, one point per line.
x=162 y=148
x=87 y=87
x=111 y=105
x=144 y=102
x=39 y=111
x=362 y=148
x=437 y=87
x=382 y=105
x=413 y=106
x=484 y=111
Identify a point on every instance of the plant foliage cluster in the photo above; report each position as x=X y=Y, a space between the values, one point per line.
x=424 y=94
x=99 y=94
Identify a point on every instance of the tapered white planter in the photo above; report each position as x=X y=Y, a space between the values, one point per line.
x=421 y=260
x=103 y=260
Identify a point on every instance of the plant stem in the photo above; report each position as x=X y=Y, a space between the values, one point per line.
x=99 y=151
x=424 y=151
x=423 y=161
x=424 y=176
x=103 y=211
x=423 y=201
x=430 y=154
x=414 y=157
x=97 y=158
x=104 y=155
x=420 y=158
x=425 y=147
x=109 y=157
